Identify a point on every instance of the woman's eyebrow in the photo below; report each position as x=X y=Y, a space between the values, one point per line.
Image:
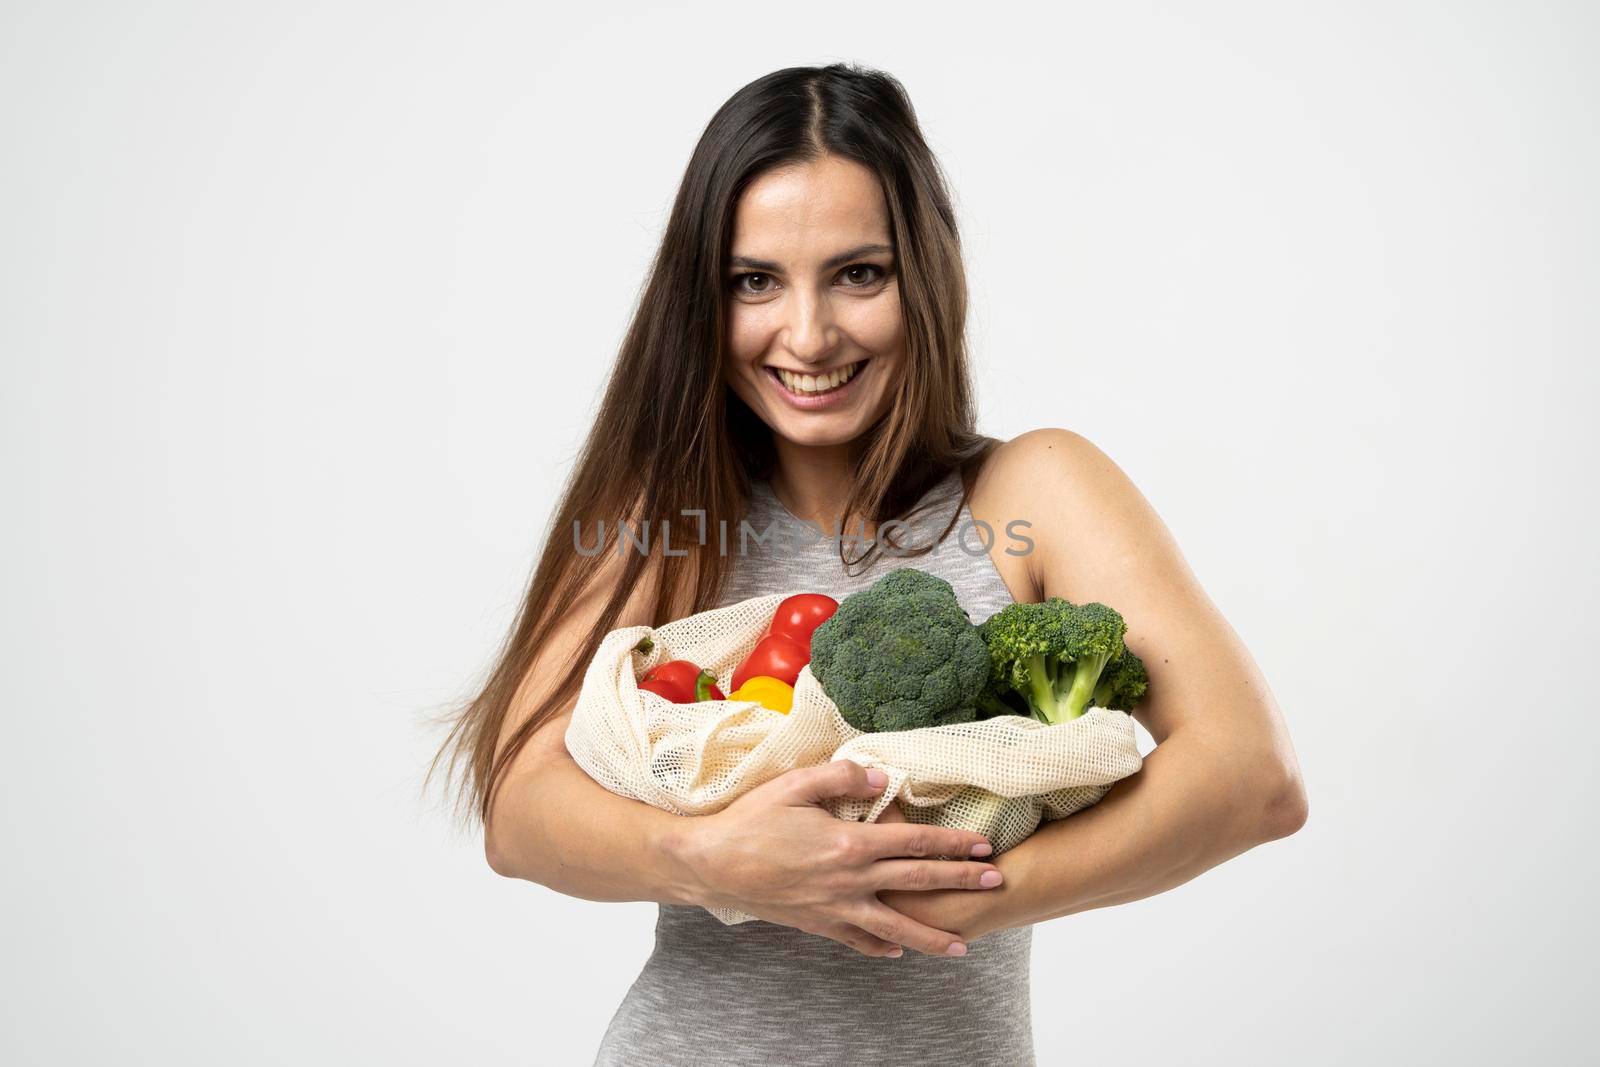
x=833 y=261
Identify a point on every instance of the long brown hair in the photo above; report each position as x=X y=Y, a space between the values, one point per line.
x=670 y=435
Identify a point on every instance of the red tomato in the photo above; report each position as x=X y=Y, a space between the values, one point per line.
x=799 y=616
x=681 y=682
x=776 y=657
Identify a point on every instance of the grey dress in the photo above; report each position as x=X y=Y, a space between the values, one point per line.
x=758 y=993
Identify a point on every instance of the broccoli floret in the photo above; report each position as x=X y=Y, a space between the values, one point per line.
x=901 y=654
x=1123 y=682
x=1047 y=659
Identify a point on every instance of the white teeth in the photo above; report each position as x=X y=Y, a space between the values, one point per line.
x=808 y=383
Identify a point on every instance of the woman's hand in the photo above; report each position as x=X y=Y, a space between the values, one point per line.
x=967 y=915
x=778 y=854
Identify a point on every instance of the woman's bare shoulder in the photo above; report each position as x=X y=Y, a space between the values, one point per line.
x=1038 y=486
x=1044 y=451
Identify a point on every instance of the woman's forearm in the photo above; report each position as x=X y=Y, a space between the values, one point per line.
x=1191 y=807
x=554 y=825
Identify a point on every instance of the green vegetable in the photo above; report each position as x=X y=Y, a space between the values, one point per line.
x=901 y=654
x=1051 y=660
x=1122 y=683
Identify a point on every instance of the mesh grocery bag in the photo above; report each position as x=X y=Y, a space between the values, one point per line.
x=999 y=777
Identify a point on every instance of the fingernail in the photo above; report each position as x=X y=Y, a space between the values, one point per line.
x=897 y=953
x=956 y=949
x=982 y=848
x=877 y=779
x=989 y=879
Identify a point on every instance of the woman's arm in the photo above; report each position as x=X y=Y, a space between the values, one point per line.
x=553 y=824
x=1223 y=777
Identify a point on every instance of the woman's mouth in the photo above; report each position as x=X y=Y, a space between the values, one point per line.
x=813 y=391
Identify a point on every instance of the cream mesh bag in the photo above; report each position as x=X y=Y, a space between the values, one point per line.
x=999 y=777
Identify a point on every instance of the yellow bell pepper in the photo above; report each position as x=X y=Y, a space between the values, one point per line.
x=768 y=692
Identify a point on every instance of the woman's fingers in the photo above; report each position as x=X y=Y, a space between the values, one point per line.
x=886 y=924
x=921 y=839
x=825 y=781
x=933 y=874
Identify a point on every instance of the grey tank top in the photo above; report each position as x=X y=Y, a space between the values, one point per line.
x=758 y=993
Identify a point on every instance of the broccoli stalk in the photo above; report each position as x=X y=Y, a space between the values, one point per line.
x=1042 y=679
x=1075 y=682
x=1050 y=657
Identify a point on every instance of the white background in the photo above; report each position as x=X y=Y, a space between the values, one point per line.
x=305 y=309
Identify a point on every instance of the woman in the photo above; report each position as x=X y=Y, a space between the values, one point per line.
x=798 y=358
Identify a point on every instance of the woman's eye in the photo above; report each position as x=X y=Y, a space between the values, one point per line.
x=758 y=290
x=866 y=267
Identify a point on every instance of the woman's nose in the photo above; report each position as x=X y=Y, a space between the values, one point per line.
x=811 y=333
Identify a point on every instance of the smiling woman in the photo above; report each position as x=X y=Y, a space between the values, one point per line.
x=798 y=357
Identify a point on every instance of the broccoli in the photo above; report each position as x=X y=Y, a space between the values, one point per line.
x=1050 y=660
x=1122 y=683
x=901 y=654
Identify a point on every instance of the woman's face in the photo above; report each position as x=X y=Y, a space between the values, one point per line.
x=816 y=340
